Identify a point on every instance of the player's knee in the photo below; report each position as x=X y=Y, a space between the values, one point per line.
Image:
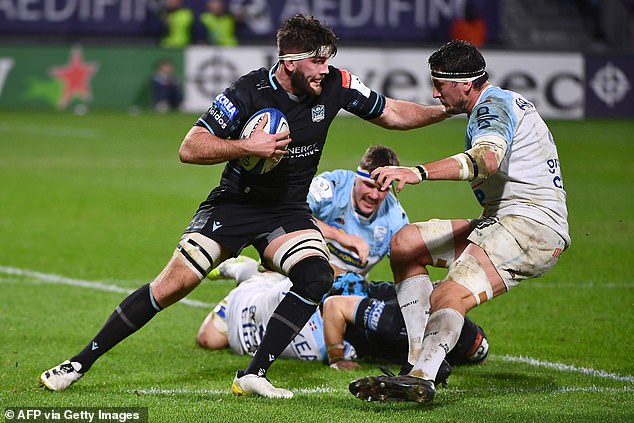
x=450 y=294
x=440 y=295
x=403 y=247
x=312 y=277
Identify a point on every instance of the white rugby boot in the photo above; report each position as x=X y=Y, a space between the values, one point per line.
x=257 y=385
x=61 y=376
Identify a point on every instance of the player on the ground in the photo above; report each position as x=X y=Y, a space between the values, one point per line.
x=511 y=161
x=350 y=207
x=268 y=211
x=357 y=220
x=356 y=319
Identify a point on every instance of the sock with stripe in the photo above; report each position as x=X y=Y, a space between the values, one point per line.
x=133 y=312
x=290 y=316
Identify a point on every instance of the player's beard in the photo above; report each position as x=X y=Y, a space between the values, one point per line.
x=456 y=109
x=300 y=83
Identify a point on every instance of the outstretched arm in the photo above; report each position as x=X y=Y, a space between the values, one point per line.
x=401 y=114
x=480 y=161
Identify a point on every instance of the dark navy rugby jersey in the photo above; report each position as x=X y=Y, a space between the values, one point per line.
x=309 y=118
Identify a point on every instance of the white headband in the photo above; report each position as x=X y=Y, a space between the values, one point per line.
x=323 y=51
x=458 y=76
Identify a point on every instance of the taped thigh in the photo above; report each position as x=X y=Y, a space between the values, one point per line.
x=469 y=272
x=198 y=252
x=299 y=247
x=439 y=238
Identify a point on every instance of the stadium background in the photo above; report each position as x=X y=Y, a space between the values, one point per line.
x=93 y=199
x=548 y=51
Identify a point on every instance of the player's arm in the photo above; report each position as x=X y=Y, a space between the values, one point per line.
x=352 y=242
x=200 y=146
x=338 y=310
x=384 y=111
x=480 y=161
x=401 y=114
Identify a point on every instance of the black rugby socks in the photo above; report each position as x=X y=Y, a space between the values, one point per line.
x=287 y=320
x=133 y=312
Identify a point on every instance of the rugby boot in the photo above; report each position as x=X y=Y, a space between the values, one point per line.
x=250 y=384
x=61 y=376
x=393 y=388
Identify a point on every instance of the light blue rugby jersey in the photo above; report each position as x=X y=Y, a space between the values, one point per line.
x=529 y=181
x=330 y=200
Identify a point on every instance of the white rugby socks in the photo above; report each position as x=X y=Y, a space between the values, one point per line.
x=441 y=335
x=413 y=298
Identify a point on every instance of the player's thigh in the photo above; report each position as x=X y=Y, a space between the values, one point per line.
x=437 y=242
x=286 y=250
x=503 y=252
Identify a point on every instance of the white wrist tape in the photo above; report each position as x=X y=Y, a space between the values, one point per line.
x=467 y=171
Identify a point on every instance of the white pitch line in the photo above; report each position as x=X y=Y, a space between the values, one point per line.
x=57 y=279
x=326 y=389
x=62 y=280
x=181 y=391
x=565 y=368
x=560 y=389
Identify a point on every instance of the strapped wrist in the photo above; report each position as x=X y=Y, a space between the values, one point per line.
x=420 y=171
x=335 y=353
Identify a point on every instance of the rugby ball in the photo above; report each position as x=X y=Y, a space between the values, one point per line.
x=276 y=123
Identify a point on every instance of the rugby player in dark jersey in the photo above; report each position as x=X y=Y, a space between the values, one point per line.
x=268 y=211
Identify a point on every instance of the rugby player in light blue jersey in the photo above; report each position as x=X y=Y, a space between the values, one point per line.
x=512 y=164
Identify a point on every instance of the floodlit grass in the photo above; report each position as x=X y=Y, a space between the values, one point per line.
x=103 y=198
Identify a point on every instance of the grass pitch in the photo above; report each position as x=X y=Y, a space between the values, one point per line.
x=92 y=206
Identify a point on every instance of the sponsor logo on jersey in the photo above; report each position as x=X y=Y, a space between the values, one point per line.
x=222 y=110
x=346 y=78
x=375 y=315
x=320 y=189
x=318 y=113
x=380 y=232
x=484 y=117
x=225 y=105
x=345 y=256
x=302 y=151
x=523 y=104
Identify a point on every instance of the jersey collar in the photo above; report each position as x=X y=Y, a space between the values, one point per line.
x=272 y=78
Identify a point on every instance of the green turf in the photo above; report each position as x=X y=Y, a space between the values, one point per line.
x=104 y=198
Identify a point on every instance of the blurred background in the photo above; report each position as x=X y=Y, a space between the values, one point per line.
x=573 y=58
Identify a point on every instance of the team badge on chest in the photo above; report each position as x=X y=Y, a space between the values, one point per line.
x=318 y=113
